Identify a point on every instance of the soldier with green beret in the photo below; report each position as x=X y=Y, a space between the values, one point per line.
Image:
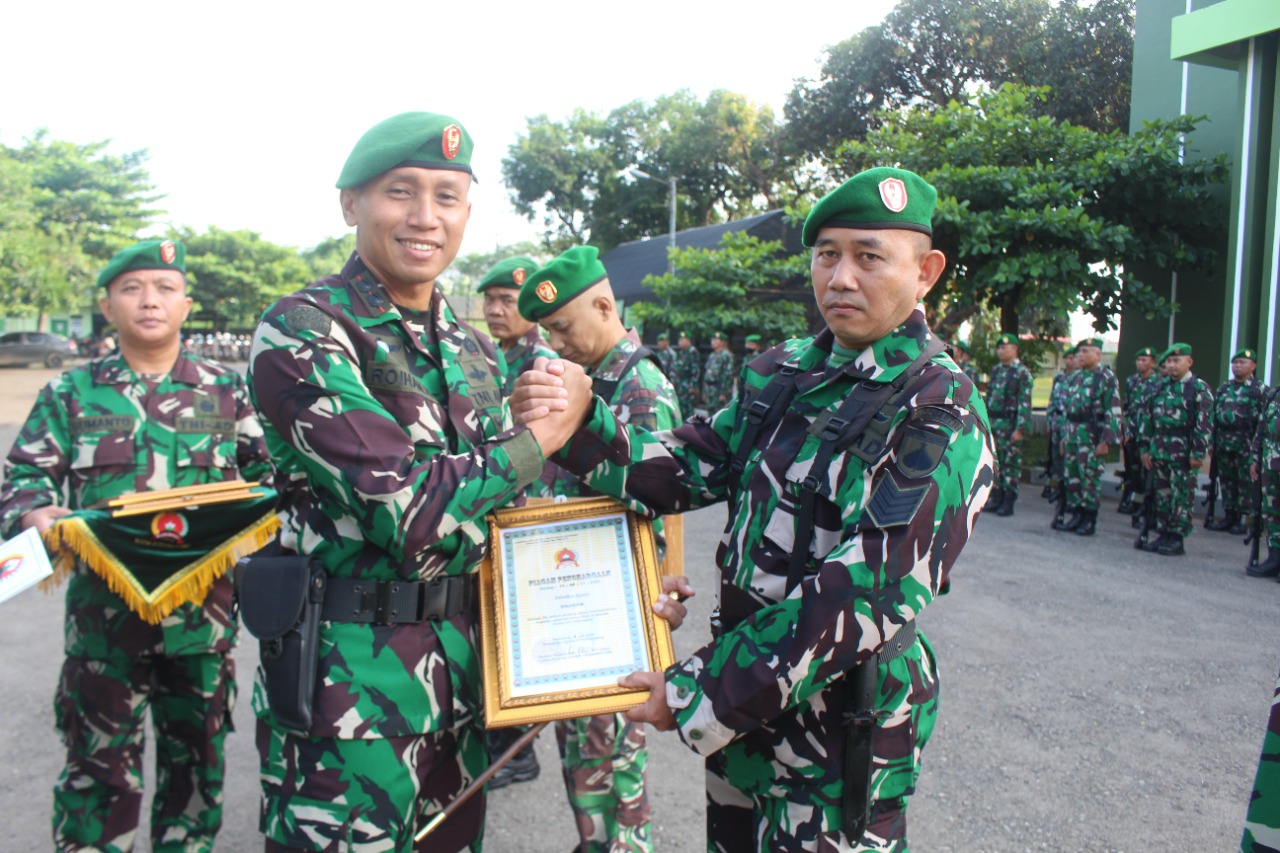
x=1055 y=415
x=718 y=374
x=1138 y=388
x=666 y=355
x=519 y=340
x=1237 y=409
x=1092 y=416
x=1009 y=404
x=387 y=413
x=145 y=417
x=1173 y=438
x=688 y=372
x=603 y=757
x=964 y=358
x=841 y=527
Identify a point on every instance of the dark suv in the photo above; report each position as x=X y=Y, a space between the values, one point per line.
x=35 y=348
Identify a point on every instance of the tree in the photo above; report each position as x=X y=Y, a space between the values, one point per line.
x=330 y=255
x=465 y=272
x=234 y=275
x=745 y=286
x=1039 y=215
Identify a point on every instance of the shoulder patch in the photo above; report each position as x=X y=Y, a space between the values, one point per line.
x=892 y=505
x=306 y=318
x=920 y=451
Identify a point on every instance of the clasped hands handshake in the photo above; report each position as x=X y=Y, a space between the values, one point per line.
x=553 y=398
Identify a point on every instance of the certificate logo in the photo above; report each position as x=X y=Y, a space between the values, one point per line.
x=9 y=565
x=566 y=558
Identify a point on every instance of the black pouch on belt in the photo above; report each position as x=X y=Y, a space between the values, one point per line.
x=280 y=603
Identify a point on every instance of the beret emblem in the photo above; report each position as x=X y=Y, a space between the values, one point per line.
x=518 y=275
x=893 y=192
x=168 y=251
x=451 y=141
x=546 y=292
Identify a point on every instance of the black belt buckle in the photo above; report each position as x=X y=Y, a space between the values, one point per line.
x=395 y=602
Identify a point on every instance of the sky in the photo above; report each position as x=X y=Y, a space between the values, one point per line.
x=248 y=110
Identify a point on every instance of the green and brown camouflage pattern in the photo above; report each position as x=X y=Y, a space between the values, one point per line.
x=96 y=432
x=1056 y=418
x=1262 y=821
x=1009 y=405
x=717 y=379
x=667 y=358
x=1174 y=434
x=520 y=356
x=1092 y=417
x=763 y=702
x=1237 y=406
x=1266 y=441
x=686 y=377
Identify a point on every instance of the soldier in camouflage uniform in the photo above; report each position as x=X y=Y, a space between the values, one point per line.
x=1137 y=390
x=666 y=355
x=1173 y=437
x=1266 y=450
x=1237 y=406
x=604 y=757
x=1092 y=413
x=520 y=341
x=764 y=701
x=386 y=415
x=1055 y=415
x=687 y=374
x=146 y=416
x=718 y=374
x=1009 y=404
x=1262 y=821
x=964 y=359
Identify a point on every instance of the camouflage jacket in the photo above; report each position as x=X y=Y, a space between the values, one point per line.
x=886 y=535
x=1137 y=396
x=1056 y=410
x=667 y=358
x=1237 y=406
x=1266 y=440
x=969 y=370
x=717 y=379
x=1009 y=397
x=521 y=355
x=1093 y=400
x=1168 y=429
x=99 y=431
x=688 y=368
x=396 y=443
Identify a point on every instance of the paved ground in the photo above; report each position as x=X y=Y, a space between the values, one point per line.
x=1094 y=699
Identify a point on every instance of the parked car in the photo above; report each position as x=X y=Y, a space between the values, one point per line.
x=35 y=348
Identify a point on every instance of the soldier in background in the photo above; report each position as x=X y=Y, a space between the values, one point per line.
x=752 y=347
x=604 y=756
x=1266 y=450
x=964 y=358
x=666 y=355
x=1137 y=390
x=1092 y=411
x=1055 y=415
x=1237 y=406
x=687 y=374
x=718 y=374
x=520 y=341
x=1173 y=438
x=1009 y=406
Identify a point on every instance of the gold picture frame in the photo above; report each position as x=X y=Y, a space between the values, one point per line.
x=585 y=565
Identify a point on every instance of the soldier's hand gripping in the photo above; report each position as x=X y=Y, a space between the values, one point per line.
x=655 y=710
x=670 y=606
x=553 y=399
x=42 y=518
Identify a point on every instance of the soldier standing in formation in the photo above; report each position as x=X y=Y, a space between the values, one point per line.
x=520 y=341
x=813 y=702
x=1056 y=416
x=964 y=358
x=1173 y=437
x=604 y=756
x=1265 y=464
x=718 y=374
x=1009 y=404
x=687 y=374
x=666 y=355
x=1137 y=391
x=752 y=347
x=1237 y=407
x=144 y=417
x=1092 y=412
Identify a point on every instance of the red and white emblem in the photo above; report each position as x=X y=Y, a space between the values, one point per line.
x=9 y=565
x=518 y=275
x=451 y=141
x=893 y=192
x=168 y=251
x=566 y=559
x=170 y=526
x=546 y=292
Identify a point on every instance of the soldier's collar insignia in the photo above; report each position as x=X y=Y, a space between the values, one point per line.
x=451 y=141
x=168 y=252
x=893 y=192
x=546 y=291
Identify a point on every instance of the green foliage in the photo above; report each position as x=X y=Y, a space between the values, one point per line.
x=329 y=256
x=746 y=286
x=234 y=275
x=1041 y=216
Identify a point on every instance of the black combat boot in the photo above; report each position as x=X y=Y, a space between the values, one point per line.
x=1136 y=521
x=1224 y=523
x=994 y=500
x=1006 y=506
x=1088 y=523
x=1269 y=568
x=1172 y=546
x=1052 y=495
x=522 y=768
x=1047 y=490
x=1154 y=545
x=1077 y=516
x=1126 y=503
x=1240 y=528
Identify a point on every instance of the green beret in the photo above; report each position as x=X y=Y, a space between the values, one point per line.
x=752 y=339
x=1176 y=349
x=1252 y=355
x=721 y=335
x=1090 y=342
x=1147 y=351
x=555 y=285
x=1007 y=339
x=147 y=255
x=427 y=140
x=962 y=346
x=1070 y=351
x=686 y=335
x=663 y=336
x=513 y=272
x=878 y=198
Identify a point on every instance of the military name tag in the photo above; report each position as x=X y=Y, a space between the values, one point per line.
x=102 y=423
x=205 y=425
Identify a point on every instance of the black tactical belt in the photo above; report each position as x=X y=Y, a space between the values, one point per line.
x=901 y=642
x=398 y=602
x=1080 y=419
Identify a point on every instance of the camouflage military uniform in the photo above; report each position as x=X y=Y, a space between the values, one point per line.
x=520 y=357
x=970 y=371
x=667 y=358
x=395 y=440
x=685 y=378
x=1092 y=414
x=604 y=757
x=1056 y=416
x=1174 y=435
x=1009 y=403
x=1236 y=409
x=1262 y=822
x=1266 y=443
x=717 y=379
x=99 y=431
x=763 y=702
x=1137 y=394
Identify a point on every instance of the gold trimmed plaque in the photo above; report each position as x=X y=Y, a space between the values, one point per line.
x=566 y=608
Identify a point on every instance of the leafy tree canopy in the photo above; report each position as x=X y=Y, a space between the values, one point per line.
x=235 y=275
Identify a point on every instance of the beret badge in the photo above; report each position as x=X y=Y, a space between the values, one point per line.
x=546 y=292
x=893 y=192
x=518 y=275
x=168 y=251
x=451 y=141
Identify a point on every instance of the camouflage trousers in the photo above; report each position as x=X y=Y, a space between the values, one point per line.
x=100 y=711
x=1262 y=821
x=1174 y=484
x=754 y=805
x=603 y=759
x=687 y=397
x=1082 y=467
x=1234 y=485
x=1008 y=459
x=1270 y=505
x=370 y=796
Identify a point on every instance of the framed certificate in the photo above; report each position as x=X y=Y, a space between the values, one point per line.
x=566 y=608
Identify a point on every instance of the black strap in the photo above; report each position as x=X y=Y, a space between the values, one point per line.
x=398 y=602
x=768 y=409
x=604 y=388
